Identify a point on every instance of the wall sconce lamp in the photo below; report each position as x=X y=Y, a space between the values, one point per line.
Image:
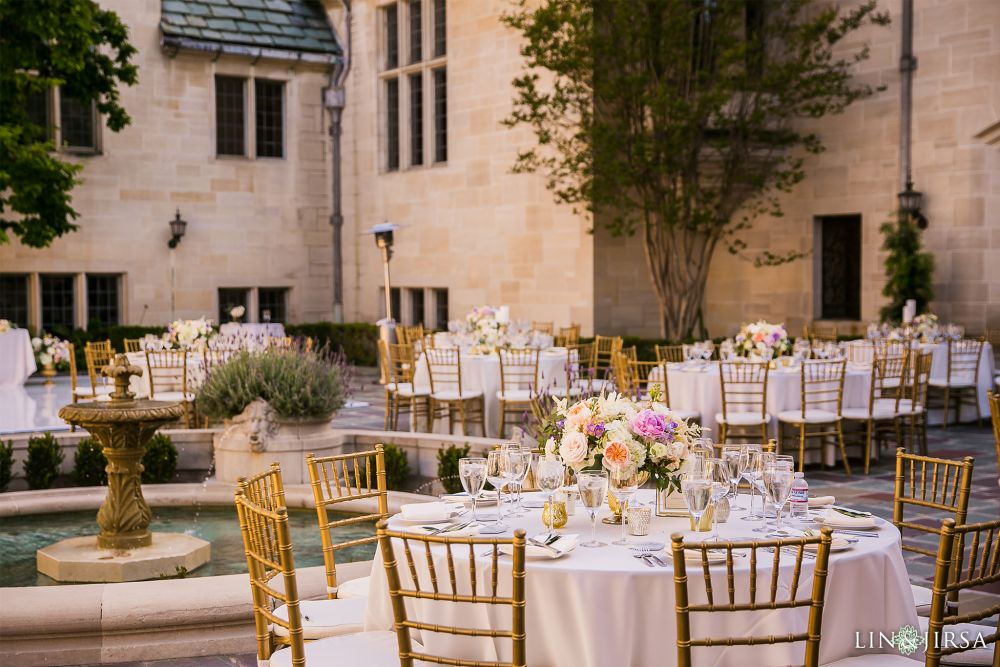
x=178 y=227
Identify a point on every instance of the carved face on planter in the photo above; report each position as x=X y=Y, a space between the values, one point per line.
x=258 y=421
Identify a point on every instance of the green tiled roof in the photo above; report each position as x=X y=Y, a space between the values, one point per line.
x=288 y=25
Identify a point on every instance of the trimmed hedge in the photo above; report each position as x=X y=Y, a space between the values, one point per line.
x=358 y=340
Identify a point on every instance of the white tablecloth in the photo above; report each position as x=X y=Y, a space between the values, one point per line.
x=482 y=373
x=601 y=607
x=17 y=359
x=254 y=333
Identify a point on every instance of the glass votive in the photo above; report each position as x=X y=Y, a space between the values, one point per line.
x=638 y=520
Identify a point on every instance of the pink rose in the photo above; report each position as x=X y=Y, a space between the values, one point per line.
x=573 y=448
x=616 y=455
x=649 y=424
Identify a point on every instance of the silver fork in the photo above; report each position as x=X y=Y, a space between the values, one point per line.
x=644 y=559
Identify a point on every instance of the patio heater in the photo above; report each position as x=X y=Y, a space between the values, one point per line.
x=383 y=234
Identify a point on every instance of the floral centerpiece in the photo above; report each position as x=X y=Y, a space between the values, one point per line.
x=927 y=327
x=189 y=333
x=757 y=338
x=51 y=353
x=483 y=330
x=5 y=326
x=236 y=313
x=618 y=432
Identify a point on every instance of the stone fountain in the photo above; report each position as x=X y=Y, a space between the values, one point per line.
x=125 y=549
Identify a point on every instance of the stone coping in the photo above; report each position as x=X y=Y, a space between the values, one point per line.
x=144 y=620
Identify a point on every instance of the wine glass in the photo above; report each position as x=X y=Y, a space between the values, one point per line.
x=697 y=490
x=497 y=465
x=593 y=487
x=768 y=460
x=778 y=485
x=529 y=457
x=472 y=472
x=550 y=478
x=735 y=458
x=718 y=472
x=515 y=472
x=624 y=482
x=751 y=472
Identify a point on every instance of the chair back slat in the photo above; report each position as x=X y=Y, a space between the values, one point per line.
x=964 y=357
x=940 y=485
x=744 y=386
x=578 y=359
x=605 y=348
x=408 y=335
x=543 y=327
x=568 y=336
x=822 y=385
x=402 y=363
x=423 y=554
x=444 y=367
x=994 y=399
x=518 y=369
x=345 y=478
x=168 y=370
x=673 y=354
x=97 y=354
x=968 y=557
x=778 y=596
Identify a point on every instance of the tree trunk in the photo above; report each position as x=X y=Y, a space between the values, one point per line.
x=678 y=261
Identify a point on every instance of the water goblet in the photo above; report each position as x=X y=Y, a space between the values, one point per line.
x=472 y=473
x=529 y=457
x=752 y=472
x=624 y=482
x=593 y=487
x=497 y=465
x=735 y=458
x=515 y=473
x=778 y=484
x=550 y=478
x=697 y=490
x=718 y=472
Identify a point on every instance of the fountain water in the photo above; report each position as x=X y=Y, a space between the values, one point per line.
x=125 y=549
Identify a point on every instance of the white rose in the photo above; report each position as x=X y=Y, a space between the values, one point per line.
x=45 y=359
x=658 y=451
x=573 y=448
x=550 y=448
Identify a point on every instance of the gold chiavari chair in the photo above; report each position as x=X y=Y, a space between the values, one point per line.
x=482 y=585
x=578 y=371
x=962 y=381
x=931 y=484
x=994 y=398
x=744 y=399
x=401 y=394
x=94 y=392
x=670 y=354
x=279 y=342
x=953 y=574
x=913 y=404
x=168 y=379
x=217 y=356
x=132 y=345
x=568 y=336
x=283 y=623
x=518 y=383
x=881 y=414
x=822 y=397
x=782 y=593
x=822 y=332
x=444 y=366
x=543 y=327
x=335 y=480
x=97 y=355
x=885 y=347
x=408 y=335
x=602 y=362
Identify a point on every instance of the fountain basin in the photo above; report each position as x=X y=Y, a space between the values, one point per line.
x=79 y=559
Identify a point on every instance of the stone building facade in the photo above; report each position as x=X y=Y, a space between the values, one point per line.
x=475 y=233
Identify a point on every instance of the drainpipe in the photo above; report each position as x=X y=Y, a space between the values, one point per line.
x=335 y=98
x=907 y=64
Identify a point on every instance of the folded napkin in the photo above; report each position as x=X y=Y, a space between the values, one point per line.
x=821 y=501
x=470 y=530
x=434 y=511
x=835 y=518
x=564 y=543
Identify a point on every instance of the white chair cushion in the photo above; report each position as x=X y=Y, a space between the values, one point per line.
x=876 y=660
x=812 y=417
x=371 y=649
x=922 y=597
x=453 y=395
x=173 y=396
x=861 y=414
x=906 y=407
x=407 y=390
x=969 y=632
x=355 y=588
x=326 y=618
x=958 y=381
x=515 y=395
x=743 y=419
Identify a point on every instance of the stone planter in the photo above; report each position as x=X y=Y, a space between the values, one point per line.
x=257 y=437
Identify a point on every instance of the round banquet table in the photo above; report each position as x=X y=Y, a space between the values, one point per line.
x=599 y=607
x=17 y=359
x=481 y=372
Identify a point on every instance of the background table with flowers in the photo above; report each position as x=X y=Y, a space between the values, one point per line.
x=17 y=357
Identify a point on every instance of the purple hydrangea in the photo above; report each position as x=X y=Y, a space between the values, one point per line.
x=595 y=429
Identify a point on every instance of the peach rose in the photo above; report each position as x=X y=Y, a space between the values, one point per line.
x=616 y=455
x=573 y=448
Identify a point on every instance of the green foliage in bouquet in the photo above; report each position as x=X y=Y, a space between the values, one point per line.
x=448 y=467
x=42 y=465
x=89 y=464
x=397 y=467
x=909 y=270
x=159 y=463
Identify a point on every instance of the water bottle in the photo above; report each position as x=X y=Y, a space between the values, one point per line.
x=798 y=501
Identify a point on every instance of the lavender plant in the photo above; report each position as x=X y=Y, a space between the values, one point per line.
x=298 y=383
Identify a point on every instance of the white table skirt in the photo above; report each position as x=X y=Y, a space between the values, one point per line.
x=17 y=359
x=482 y=373
x=600 y=607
